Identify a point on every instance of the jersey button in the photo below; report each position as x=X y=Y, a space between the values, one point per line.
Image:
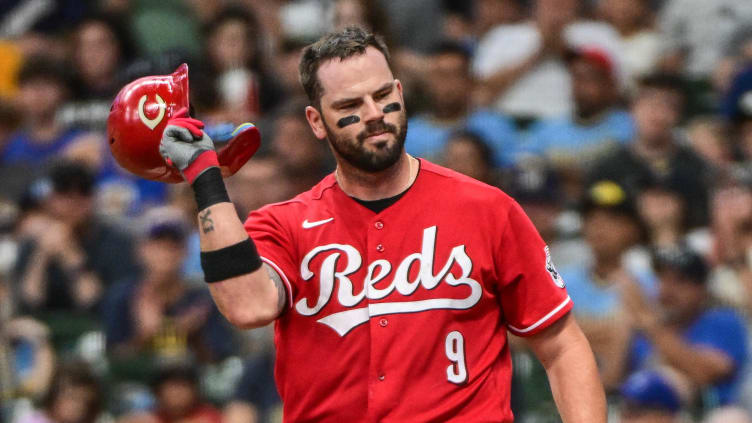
x=380 y=248
x=383 y=322
x=378 y=225
x=382 y=376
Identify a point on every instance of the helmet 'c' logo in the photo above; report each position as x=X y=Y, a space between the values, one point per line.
x=151 y=123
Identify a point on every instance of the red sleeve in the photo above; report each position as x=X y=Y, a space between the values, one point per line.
x=274 y=245
x=532 y=291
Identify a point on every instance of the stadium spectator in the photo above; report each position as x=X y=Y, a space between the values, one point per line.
x=101 y=48
x=521 y=66
x=237 y=67
x=75 y=396
x=69 y=256
x=708 y=137
x=611 y=231
x=468 y=154
x=650 y=396
x=535 y=184
x=737 y=110
x=157 y=316
x=731 y=278
x=448 y=84
x=302 y=156
x=635 y=21
x=657 y=153
x=705 y=344
x=263 y=183
x=178 y=399
x=696 y=33
x=664 y=212
x=28 y=356
x=255 y=399
x=596 y=126
x=42 y=88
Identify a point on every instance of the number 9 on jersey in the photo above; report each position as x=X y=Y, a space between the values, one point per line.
x=455 y=352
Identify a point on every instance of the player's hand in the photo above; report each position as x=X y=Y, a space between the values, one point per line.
x=186 y=146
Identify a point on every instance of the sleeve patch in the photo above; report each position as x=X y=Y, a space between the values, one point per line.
x=555 y=275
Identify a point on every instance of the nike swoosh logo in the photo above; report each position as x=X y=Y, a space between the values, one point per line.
x=309 y=225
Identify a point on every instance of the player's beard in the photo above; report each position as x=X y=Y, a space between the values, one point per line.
x=386 y=153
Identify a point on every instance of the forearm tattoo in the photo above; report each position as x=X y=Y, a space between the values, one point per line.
x=281 y=291
x=207 y=224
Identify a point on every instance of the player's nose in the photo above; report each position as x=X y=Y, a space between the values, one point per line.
x=372 y=111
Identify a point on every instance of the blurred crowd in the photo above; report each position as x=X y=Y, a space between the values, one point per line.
x=623 y=128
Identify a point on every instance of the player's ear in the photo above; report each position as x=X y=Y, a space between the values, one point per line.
x=315 y=121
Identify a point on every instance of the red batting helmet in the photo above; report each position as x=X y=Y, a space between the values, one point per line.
x=137 y=118
x=139 y=115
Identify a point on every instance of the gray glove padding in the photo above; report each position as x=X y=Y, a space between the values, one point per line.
x=183 y=143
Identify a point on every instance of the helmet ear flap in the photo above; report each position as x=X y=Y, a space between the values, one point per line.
x=137 y=118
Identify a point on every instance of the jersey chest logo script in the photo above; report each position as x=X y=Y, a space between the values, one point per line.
x=344 y=321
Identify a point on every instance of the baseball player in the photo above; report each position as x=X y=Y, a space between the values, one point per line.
x=392 y=283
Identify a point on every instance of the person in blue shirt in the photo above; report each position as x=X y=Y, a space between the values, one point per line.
x=597 y=121
x=596 y=126
x=707 y=345
x=42 y=89
x=612 y=232
x=448 y=87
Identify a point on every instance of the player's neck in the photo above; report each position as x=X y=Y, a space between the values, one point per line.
x=376 y=186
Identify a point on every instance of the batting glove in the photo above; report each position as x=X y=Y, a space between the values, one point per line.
x=186 y=146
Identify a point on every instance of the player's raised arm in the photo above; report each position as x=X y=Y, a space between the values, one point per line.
x=247 y=293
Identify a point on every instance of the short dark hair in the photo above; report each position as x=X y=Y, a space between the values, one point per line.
x=43 y=68
x=683 y=260
x=77 y=374
x=451 y=47
x=349 y=42
x=71 y=177
x=664 y=81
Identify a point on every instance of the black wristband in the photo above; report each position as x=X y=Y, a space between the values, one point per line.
x=235 y=260
x=209 y=188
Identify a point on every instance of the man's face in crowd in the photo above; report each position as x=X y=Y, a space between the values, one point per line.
x=352 y=113
x=449 y=83
x=680 y=297
x=656 y=113
x=592 y=87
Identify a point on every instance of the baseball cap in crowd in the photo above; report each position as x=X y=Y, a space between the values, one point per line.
x=534 y=180
x=593 y=55
x=165 y=223
x=683 y=260
x=610 y=196
x=737 y=105
x=649 y=389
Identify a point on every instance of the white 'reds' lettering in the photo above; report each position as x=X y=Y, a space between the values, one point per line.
x=342 y=322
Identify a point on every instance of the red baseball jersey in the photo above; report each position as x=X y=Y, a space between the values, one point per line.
x=401 y=316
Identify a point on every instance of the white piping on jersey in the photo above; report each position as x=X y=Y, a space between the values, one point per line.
x=543 y=319
x=283 y=276
x=309 y=225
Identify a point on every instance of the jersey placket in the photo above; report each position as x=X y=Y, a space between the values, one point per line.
x=379 y=326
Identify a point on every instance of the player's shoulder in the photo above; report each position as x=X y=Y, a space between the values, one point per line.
x=301 y=202
x=440 y=175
